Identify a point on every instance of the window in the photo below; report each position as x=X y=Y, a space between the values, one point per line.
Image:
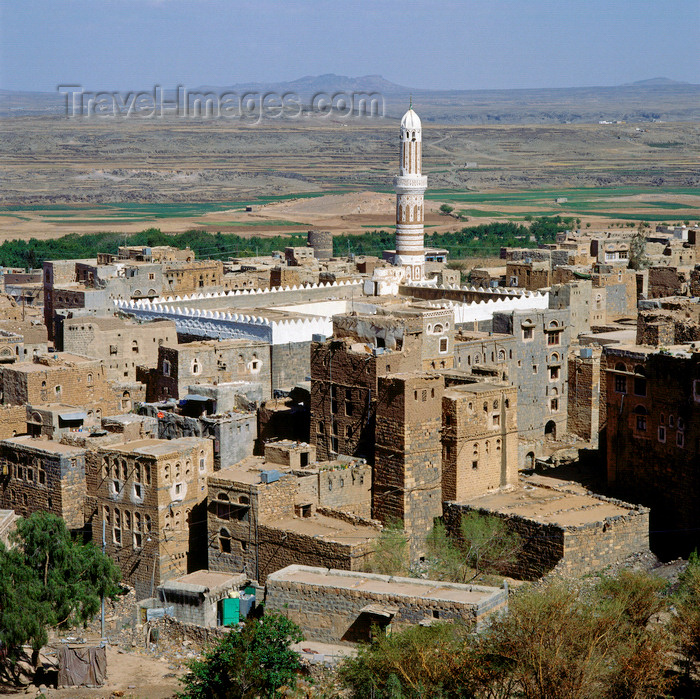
x=641 y=418
x=166 y=367
x=496 y=420
x=553 y=373
x=475 y=465
x=196 y=366
x=113 y=350
x=89 y=379
x=223 y=506
x=640 y=381
x=620 y=384
x=137 y=540
x=662 y=433
x=348 y=402
x=528 y=333
x=138 y=491
x=554 y=405
x=443 y=345
x=202 y=464
x=224 y=541
x=534 y=368
x=135 y=346
x=680 y=439
x=147 y=523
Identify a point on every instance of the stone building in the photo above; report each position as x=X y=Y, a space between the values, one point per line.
x=147 y=496
x=185 y=277
x=407 y=473
x=528 y=274
x=563 y=528
x=538 y=369
x=584 y=393
x=40 y=475
x=209 y=362
x=577 y=296
x=13 y=420
x=61 y=378
x=233 y=433
x=122 y=345
x=652 y=431
x=264 y=515
x=340 y=606
x=479 y=439
x=345 y=370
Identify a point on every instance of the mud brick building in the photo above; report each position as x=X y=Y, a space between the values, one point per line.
x=479 y=439
x=39 y=475
x=562 y=527
x=34 y=338
x=263 y=515
x=61 y=378
x=408 y=461
x=577 y=296
x=652 y=430
x=148 y=496
x=122 y=345
x=338 y=606
x=208 y=362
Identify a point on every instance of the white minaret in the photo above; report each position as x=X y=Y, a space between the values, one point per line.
x=410 y=186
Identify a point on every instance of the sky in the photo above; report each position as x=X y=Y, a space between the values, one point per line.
x=436 y=44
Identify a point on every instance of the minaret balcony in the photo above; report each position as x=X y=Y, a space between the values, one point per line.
x=407 y=184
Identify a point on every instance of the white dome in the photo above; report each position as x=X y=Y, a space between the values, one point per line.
x=410 y=120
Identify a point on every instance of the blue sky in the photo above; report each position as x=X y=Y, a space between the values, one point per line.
x=127 y=44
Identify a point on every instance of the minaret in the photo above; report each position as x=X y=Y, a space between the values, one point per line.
x=410 y=186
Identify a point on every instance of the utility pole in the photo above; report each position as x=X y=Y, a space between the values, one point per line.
x=102 y=612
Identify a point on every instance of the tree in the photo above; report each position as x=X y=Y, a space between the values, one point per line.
x=483 y=544
x=254 y=662
x=686 y=623
x=390 y=556
x=49 y=580
x=446 y=209
x=638 y=246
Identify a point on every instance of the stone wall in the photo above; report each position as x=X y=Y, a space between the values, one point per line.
x=334 y=614
x=290 y=364
x=13 y=420
x=584 y=395
x=575 y=550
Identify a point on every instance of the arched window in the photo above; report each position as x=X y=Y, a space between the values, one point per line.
x=196 y=366
x=89 y=379
x=135 y=346
x=640 y=413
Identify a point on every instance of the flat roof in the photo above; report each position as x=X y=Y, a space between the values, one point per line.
x=386 y=584
x=324 y=528
x=44 y=445
x=158 y=447
x=551 y=501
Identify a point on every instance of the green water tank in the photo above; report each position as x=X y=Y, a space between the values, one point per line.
x=230 y=611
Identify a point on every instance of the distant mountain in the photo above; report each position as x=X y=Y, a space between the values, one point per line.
x=656 y=99
x=652 y=82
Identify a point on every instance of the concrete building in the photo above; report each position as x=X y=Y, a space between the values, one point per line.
x=339 y=606
x=148 y=497
x=43 y=476
x=196 y=598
